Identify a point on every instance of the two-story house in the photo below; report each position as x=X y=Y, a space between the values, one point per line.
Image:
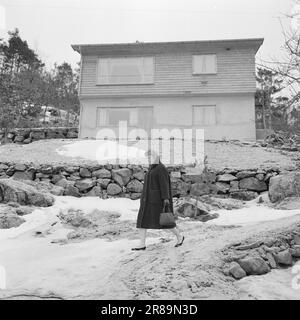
x=193 y=84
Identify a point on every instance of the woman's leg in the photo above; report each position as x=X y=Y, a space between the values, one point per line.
x=177 y=234
x=142 y=233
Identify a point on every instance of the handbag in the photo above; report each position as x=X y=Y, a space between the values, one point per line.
x=167 y=219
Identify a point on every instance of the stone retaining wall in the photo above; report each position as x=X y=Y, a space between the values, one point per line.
x=127 y=181
x=28 y=135
x=261 y=256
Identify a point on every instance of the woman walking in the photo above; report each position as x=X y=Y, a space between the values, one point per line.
x=156 y=195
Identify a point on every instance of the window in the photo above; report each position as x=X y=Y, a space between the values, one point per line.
x=112 y=116
x=204 y=115
x=131 y=70
x=205 y=64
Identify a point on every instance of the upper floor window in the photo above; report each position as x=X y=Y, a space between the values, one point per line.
x=205 y=64
x=127 y=70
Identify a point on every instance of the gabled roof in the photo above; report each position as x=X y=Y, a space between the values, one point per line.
x=140 y=47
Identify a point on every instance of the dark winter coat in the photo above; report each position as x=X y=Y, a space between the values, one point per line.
x=157 y=187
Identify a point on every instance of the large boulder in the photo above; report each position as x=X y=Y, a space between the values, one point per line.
x=85 y=184
x=134 y=186
x=254 y=266
x=179 y=187
x=192 y=208
x=23 y=175
x=138 y=173
x=226 y=177
x=103 y=183
x=102 y=174
x=284 y=185
x=10 y=220
x=121 y=176
x=113 y=189
x=236 y=271
x=16 y=191
x=284 y=258
x=71 y=190
x=253 y=184
x=243 y=195
x=199 y=189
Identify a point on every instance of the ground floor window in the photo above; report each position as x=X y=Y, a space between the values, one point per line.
x=135 y=116
x=204 y=115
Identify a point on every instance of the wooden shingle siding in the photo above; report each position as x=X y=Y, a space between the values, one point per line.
x=174 y=75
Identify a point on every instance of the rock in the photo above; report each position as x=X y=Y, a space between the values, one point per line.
x=26 y=141
x=252 y=183
x=10 y=220
x=20 y=167
x=37 y=135
x=72 y=134
x=76 y=218
x=206 y=177
x=222 y=187
x=244 y=195
x=3 y=167
x=226 y=177
x=138 y=173
x=103 y=183
x=271 y=260
x=19 y=139
x=207 y=217
x=113 y=189
x=57 y=191
x=135 y=196
x=121 y=176
x=16 y=191
x=260 y=176
x=102 y=174
x=199 y=189
x=57 y=177
x=71 y=190
x=135 y=186
x=284 y=258
x=46 y=170
x=295 y=251
x=191 y=208
x=84 y=184
x=95 y=192
x=236 y=271
x=24 y=210
x=254 y=266
x=296 y=239
x=62 y=182
x=27 y=175
x=85 y=173
x=245 y=174
x=249 y=246
x=284 y=185
x=179 y=188
x=234 y=186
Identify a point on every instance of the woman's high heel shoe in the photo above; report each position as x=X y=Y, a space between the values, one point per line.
x=180 y=243
x=136 y=249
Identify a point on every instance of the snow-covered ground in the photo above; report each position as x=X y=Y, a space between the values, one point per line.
x=37 y=264
x=131 y=152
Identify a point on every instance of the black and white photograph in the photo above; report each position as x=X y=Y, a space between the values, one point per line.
x=149 y=151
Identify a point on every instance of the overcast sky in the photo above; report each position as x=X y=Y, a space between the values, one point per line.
x=51 y=26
